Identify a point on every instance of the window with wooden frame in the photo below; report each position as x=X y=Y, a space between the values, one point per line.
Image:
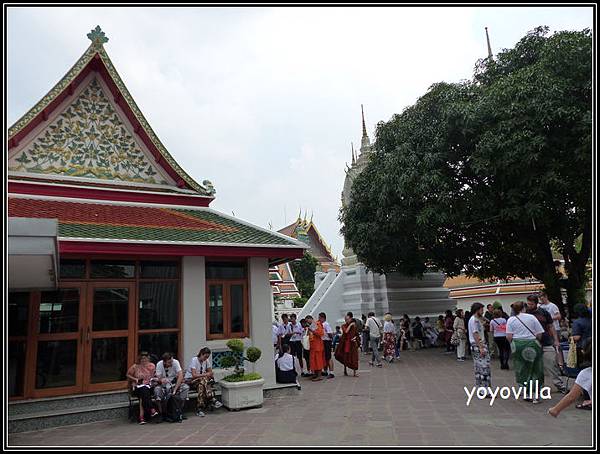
x=227 y=311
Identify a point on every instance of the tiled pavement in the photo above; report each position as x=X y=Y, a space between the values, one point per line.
x=417 y=401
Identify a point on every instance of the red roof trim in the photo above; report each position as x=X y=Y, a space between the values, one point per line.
x=83 y=247
x=55 y=190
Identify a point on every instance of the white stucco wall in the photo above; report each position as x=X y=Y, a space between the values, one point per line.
x=193 y=317
x=261 y=317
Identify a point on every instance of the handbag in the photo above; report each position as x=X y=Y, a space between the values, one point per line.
x=455 y=339
x=572 y=354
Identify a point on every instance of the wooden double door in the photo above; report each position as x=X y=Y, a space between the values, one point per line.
x=81 y=338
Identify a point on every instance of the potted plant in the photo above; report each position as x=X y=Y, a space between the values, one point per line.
x=240 y=390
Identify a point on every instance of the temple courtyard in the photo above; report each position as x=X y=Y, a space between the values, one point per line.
x=419 y=401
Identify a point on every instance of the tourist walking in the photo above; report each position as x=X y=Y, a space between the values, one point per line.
x=498 y=330
x=365 y=335
x=389 y=338
x=523 y=331
x=317 y=354
x=479 y=350
x=347 y=349
x=460 y=333
x=327 y=345
x=375 y=328
x=550 y=343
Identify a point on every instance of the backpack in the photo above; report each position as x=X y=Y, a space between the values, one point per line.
x=174 y=408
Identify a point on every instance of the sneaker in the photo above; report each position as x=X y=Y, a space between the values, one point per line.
x=324 y=374
x=200 y=413
x=153 y=413
x=331 y=376
x=370 y=363
x=217 y=404
x=535 y=401
x=462 y=360
x=141 y=421
x=379 y=365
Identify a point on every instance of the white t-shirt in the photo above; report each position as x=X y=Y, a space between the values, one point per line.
x=584 y=379
x=373 y=324
x=274 y=334
x=286 y=362
x=298 y=332
x=328 y=331
x=552 y=309
x=201 y=367
x=171 y=372
x=389 y=327
x=498 y=327
x=475 y=326
x=519 y=331
x=284 y=329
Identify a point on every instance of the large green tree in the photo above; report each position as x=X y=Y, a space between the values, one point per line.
x=304 y=274
x=486 y=176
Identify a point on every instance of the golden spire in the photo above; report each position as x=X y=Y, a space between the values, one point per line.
x=487 y=36
x=353 y=159
x=363 y=120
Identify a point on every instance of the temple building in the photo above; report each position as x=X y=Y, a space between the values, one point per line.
x=114 y=249
x=356 y=289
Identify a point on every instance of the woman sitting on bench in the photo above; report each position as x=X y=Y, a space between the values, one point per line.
x=140 y=377
x=199 y=375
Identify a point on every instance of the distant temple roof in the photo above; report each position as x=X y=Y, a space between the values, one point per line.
x=307 y=232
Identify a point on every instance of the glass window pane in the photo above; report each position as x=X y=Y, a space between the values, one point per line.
x=59 y=311
x=225 y=270
x=56 y=364
x=158 y=307
x=161 y=270
x=215 y=305
x=237 y=308
x=111 y=309
x=16 y=368
x=18 y=313
x=112 y=269
x=109 y=360
x=72 y=269
x=157 y=344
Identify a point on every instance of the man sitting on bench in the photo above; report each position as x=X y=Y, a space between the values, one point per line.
x=170 y=383
x=199 y=375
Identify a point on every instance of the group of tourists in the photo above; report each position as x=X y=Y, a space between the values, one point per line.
x=306 y=348
x=162 y=389
x=531 y=336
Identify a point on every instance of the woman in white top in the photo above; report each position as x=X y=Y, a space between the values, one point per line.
x=199 y=374
x=479 y=349
x=523 y=331
x=389 y=338
x=461 y=333
x=498 y=331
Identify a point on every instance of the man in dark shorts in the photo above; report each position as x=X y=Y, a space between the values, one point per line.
x=296 y=340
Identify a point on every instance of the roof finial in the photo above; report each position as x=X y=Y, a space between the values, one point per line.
x=353 y=158
x=365 y=142
x=97 y=36
x=487 y=36
x=312 y=213
x=299 y=215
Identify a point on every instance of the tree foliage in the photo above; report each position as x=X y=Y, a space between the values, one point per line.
x=304 y=274
x=484 y=176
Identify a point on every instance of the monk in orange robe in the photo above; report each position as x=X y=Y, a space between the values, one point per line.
x=317 y=349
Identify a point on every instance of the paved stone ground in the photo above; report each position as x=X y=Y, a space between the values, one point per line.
x=417 y=401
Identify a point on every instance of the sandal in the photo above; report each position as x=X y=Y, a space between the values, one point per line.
x=584 y=406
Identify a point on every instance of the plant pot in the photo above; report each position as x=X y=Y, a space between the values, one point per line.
x=243 y=394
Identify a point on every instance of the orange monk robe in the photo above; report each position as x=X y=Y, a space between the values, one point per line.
x=317 y=349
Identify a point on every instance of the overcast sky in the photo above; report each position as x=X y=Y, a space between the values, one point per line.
x=264 y=102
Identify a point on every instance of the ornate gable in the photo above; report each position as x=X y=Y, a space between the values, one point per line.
x=88 y=139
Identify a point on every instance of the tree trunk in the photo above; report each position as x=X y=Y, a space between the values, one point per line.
x=547 y=271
